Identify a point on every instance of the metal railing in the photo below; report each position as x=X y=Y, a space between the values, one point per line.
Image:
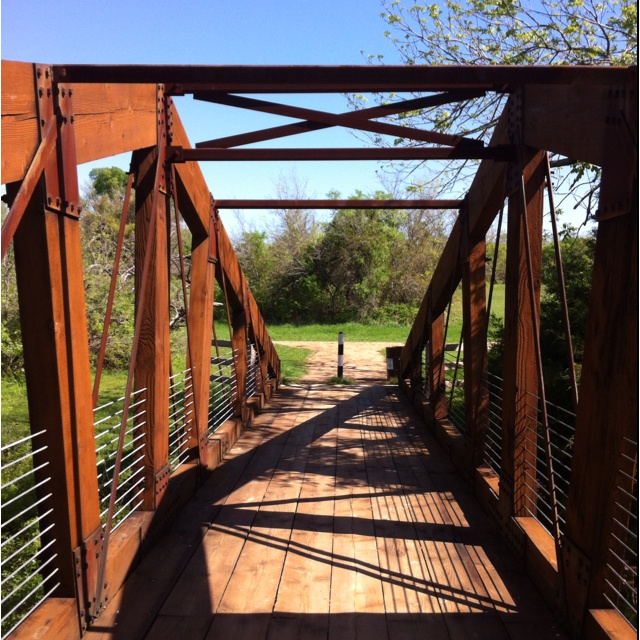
x=28 y=530
x=493 y=436
x=621 y=579
x=223 y=390
x=454 y=385
x=253 y=370
x=181 y=417
x=107 y=422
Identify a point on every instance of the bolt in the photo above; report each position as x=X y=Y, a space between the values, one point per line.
x=43 y=122
x=73 y=119
x=39 y=73
x=63 y=93
x=58 y=201
x=49 y=199
x=46 y=73
x=40 y=92
x=70 y=92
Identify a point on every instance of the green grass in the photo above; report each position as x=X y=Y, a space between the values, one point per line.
x=353 y=332
x=292 y=363
x=340 y=381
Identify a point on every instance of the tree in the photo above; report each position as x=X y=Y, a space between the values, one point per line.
x=581 y=32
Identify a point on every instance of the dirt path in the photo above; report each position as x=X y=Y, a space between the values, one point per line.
x=364 y=362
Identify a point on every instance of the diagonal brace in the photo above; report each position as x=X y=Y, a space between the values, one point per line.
x=332 y=119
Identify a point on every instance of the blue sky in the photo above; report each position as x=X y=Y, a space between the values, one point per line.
x=215 y=32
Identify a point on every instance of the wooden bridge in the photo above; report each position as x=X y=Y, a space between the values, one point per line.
x=214 y=501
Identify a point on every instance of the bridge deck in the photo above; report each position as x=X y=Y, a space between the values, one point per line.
x=331 y=518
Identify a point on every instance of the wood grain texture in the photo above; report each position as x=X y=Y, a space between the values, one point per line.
x=153 y=357
x=109 y=119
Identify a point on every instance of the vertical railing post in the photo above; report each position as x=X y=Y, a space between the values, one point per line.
x=475 y=350
x=53 y=321
x=153 y=357
x=520 y=389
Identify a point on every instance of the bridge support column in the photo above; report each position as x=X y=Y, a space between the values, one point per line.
x=520 y=387
x=437 y=396
x=154 y=353
x=475 y=350
x=204 y=256
x=607 y=418
x=53 y=320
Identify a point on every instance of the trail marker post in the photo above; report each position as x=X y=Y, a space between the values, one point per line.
x=340 y=354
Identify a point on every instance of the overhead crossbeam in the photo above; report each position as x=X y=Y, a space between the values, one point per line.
x=380 y=111
x=338 y=79
x=502 y=153
x=338 y=204
x=332 y=119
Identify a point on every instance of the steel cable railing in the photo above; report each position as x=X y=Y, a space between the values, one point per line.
x=493 y=436
x=621 y=577
x=131 y=477
x=223 y=391
x=253 y=368
x=454 y=386
x=181 y=417
x=28 y=530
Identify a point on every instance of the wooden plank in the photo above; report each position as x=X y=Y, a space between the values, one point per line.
x=355 y=578
x=54 y=619
x=109 y=119
x=608 y=624
x=154 y=352
x=254 y=583
x=302 y=606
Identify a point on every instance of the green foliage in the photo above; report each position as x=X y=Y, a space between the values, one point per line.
x=577 y=260
x=353 y=332
x=502 y=32
x=371 y=265
x=110 y=181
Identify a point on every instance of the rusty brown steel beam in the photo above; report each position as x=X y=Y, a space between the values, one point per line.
x=332 y=119
x=380 y=111
x=501 y=153
x=321 y=79
x=338 y=204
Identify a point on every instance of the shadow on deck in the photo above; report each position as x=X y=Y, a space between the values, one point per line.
x=334 y=516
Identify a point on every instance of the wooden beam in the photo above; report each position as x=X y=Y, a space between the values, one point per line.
x=520 y=386
x=348 y=120
x=475 y=351
x=570 y=122
x=152 y=364
x=53 y=322
x=340 y=79
x=109 y=119
x=339 y=204
x=608 y=407
x=201 y=296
